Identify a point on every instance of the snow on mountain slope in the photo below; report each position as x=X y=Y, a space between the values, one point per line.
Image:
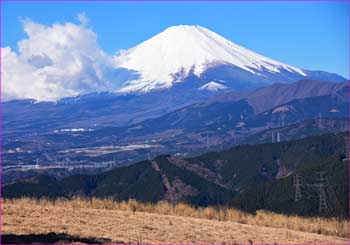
x=176 y=52
x=213 y=86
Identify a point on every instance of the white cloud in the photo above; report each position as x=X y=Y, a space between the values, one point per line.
x=57 y=61
x=82 y=18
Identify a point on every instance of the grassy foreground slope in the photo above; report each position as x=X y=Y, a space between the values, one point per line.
x=132 y=222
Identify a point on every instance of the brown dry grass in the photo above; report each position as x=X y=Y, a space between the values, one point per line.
x=132 y=221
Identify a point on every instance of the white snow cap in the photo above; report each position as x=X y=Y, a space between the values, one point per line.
x=178 y=50
x=212 y=86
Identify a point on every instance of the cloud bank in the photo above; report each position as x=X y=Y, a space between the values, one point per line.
x=57 y=61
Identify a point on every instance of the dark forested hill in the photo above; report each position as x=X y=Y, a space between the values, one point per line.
x=249 y=177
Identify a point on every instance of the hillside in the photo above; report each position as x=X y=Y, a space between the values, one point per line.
x=143 y=181
x=279 y=195
x=214 y=178
x=26 y=220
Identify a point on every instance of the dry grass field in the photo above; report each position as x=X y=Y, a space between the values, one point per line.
x=133 y=222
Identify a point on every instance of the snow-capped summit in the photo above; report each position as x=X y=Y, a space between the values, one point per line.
x=173 y=54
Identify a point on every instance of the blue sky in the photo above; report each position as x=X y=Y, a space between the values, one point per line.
x=310 y=35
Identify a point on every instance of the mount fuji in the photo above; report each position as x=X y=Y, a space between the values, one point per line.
x=182 y=53
x=179 y=67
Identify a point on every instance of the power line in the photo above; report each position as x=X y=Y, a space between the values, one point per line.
x=297 y=186
x=322 y=205
x=335 y=199
x=328 y=203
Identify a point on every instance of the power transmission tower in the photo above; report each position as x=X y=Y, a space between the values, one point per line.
x=319 y=121
x=333 y=198
x=207 y=141
x=278 y=137
x=272 y=123
x=320 y=186
x=297 y=186
x=321 y=192
x=347 y=148
x=328 y=202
